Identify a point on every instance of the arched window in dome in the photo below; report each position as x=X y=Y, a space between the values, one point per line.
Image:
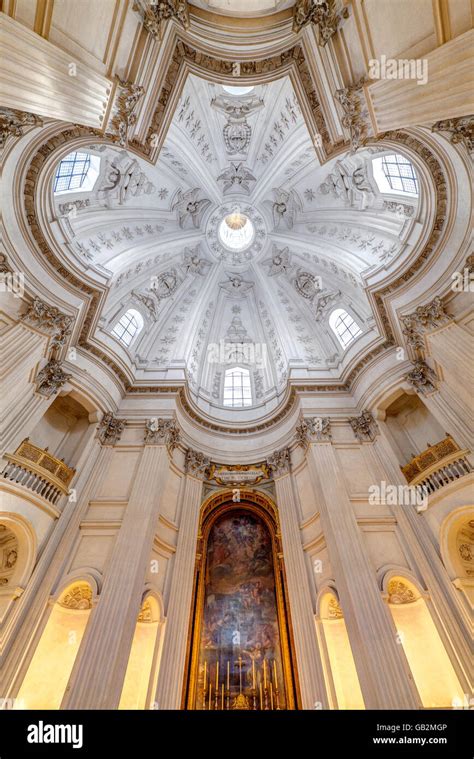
x=128 y=326
x=395 y=174
x=76 y=171
x=344 y=327
x=237 y=388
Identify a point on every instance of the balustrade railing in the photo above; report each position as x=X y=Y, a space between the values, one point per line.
x=36 y=469
x=439 y=465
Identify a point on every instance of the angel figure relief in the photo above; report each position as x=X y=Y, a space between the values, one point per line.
x=189 y=209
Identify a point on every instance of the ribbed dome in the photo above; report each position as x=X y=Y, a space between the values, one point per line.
x=238 y=226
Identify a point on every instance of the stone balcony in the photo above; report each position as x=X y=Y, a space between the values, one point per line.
x=438 y=465
x=36 y=469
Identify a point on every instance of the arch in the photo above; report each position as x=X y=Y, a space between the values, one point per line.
x=432 y=670
x=18 y=551
x=145 y=654
x=340 y=666
x=49 y=670
x=230 y=617
x=344 y=326
x=456 y=541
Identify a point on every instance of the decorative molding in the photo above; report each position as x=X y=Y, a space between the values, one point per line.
x=127 y=96
x=155 y=14
x=313 y=429
x=461 y=131
x=424 y=318
x=364 y=426
x=50 y=318
x=400 y=593
x=110 y=429
x=51 y=378
x=279 y=463
x=79 y=597
x=122 y=179
x=13 y=123
x=72 y=206
x=422 y=378
x=334 y=609
x=323 y=14
x=356 y=117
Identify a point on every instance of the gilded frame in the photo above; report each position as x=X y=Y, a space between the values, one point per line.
x=214 y=507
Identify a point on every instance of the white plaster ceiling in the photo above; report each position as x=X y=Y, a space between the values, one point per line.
x=252 y=153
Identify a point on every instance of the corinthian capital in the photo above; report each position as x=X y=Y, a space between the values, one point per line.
x=12 y=123
x=322 y=13
x=422 y=378
x=313 y=429
x=50 y=378
x=155 y=14
x=197 y=464
x=364 y=426
x=279 y=462
x=162 y=432
x=110 y=429
x=461 y=130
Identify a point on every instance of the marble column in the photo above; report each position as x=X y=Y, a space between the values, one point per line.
x=384 y=676
x=171 y=676
x=308 y=659
x=99 y=671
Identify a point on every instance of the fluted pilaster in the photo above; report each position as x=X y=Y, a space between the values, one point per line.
x=310 y=670
x=384 y=675
x=98 y=674
x=171 y=677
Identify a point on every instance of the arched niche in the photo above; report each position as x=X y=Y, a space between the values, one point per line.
x=18 y=547
x=62 y=428
x=411 y=427
x=49 y=670
x=144 y=660
x=240 y=655
x=340 y=666
x=457 y=550
x=432 y=670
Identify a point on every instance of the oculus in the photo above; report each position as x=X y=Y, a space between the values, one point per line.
x=236 y=231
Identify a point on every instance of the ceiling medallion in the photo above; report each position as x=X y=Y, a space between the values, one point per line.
x=236 y=233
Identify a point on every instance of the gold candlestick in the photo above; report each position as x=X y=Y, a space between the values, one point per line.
x=261 y=698
x=271 y=696
x=228 y=675
x=253 y=674
x=222 y=697
x=210 y=696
